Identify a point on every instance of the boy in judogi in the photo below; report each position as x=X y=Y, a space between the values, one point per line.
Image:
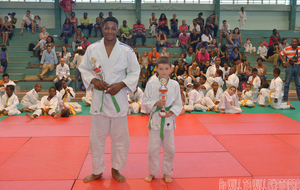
x=263 y=95
x=135 y=100
x=9 y=102
x=215 y=94
x=30 y=101
x=255 y=82
x=246 y=97
x=232 y=79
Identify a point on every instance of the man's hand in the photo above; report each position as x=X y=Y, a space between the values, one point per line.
x=41 y=66
x=115 y=88
x=160 y=103
x=100 y=85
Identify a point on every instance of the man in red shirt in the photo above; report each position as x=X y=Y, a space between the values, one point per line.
x=66 y=6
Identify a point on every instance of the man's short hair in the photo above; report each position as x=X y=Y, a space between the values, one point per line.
x=5 y=75
x=28 y=11
x=203 y=77
x=254 y=70
x=112 y=19
x=296 y=39
x=224 y=21
x=196 y=85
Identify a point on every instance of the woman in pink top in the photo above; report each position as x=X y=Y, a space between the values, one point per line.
x=85 y=43
x=183 y=27
x=203 y=56
x=184 y=41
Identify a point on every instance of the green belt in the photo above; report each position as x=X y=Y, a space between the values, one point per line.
x=113 y=99
x=162 y=120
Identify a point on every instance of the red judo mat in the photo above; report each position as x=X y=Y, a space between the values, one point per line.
x=212 y=151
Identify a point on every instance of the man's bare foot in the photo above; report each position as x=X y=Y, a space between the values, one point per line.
x=91 y=177
x=168 y=179
x=21 y=32
x=20 y=110
x=40 y=76
x=149 y=178
x=29 y=116
x=87 y=105
x=117 y=176
x=57 y=115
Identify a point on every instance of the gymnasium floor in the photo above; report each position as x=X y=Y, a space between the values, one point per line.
x=213 y=151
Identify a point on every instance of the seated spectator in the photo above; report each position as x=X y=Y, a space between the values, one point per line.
x=6 y=30
x=184 y=41
x=200 y=21
x=194 y=39
x=48 y=61
x=261 y=69
x=223 y=55
x=224 y=32
x=203 y=56
x=275 y=37
x=153 y=54
x=212 y=23
x=283 y=44
x=49 y=42
x=235 y=57
x=85 y=44
x=139 y=31
x=0 y=22
x=43 y=37
x=174 y=23
x=5 y=82
x=144 y=64
x=99 y=24
x=153 y=25
x=273 y=54
x=37 y=23
x=164 y=52
x=27 y=21
x=3 y=59
x=161 y=40
x=204 y=68
x=206 y=37
x=74 y=22
x=66 y=31
x=125 y=32
x=62 y=72
x=78 y=38
x=235 y=40
x=151 y=69
x=65 y=54
x=183 y=27
x=138 y=56
x=243 y=70
x=213 y=46
x=77 y=61
x=163 y=23
x=86 y=23
x=13 y=20
x=190 y=57
x=201 y=45
x=195 y=26
x=194 y=72
x=181 y=72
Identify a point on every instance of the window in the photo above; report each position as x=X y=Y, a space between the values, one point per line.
x=226 y=2
x=191 y=1
x=240 y=2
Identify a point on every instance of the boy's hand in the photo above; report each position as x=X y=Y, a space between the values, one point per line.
x=168 y=114
x=160 y=103
x=275 y=100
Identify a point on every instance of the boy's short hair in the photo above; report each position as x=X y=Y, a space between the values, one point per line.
x=58 y=85
x=196 y=85
x=254 y=70
x=277 y=71
x=248 y=84
x=65 y=113
x=203 y=77
x=51 y=88
x=265 y=84
x=163 y=60
x=5 y=75
x=181 y=83
x=11 y=87
x=220 y=73
x=214 y=83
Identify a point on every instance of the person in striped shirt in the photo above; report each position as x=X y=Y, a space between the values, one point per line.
x=139 y=31
x=292 y=70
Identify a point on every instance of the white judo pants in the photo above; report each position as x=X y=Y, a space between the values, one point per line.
x=13 y=112
x=233 y=109
x=86 y=100
x=251 y=50
x=39 y=112
x=25 y=104
x=248 y=103
x=76 y=106
x=155 y=142
x=207 y=103
x=279 y=105
x=242 y=23
x=263 y=99
x=101 y=126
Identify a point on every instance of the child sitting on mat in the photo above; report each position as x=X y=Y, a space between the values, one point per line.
x=218 y=78
x=215 y=94
x=9 y=102
x=30 y=101
x=184 y=99
x=255 y=82
x=87 y=99
x=47 y=106
x=246 y=97
x=232 y=79
x=135 y=101
x=263 y=95
x=161 y=127
x=204 y=85
x=229 y=102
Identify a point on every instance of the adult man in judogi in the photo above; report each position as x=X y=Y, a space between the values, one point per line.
x=112 y=68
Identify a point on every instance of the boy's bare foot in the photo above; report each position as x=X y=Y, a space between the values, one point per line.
x=215 y=109
x=149 y=178
x=29 y=116
x=263 y=106
x=222 y=111
x=291 y=106
x=86 y=104
x=91 y=177
x=20 y=110
x=168 y=179
x=117 y=176
x=26 y=109
x=57 y=115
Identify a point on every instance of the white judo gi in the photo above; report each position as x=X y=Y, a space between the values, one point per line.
x=263 y=97
x=60 y=102
x=275 y=92
x=74 y=106
x=262 y=52
x=212 y=70
x=230 y=103
x=68 y=97
x=30 y=100
x=186 y=105
x=219 y=80
x=200 y=103
x=215 y=98
x=246 y=99
x=207 y=88
x=242 y=18
x=174 y=104
x=88 y=97
x=46 y=104
x=232 y=80
x=109 y=117
x=249 y=48
x=10 y=104
x=136 y=99
x=255 y=87
x=2 y=89
x=226 y=72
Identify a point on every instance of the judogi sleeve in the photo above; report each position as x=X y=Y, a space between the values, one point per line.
x=256 y=82
x=54 y=104
x=139 y=96
x=223 y=100
x=177 y=104
x=32 y=98
x=133 y=72
x=149 y=100
x=2 y=103
x=278 y=88
x=86 y=70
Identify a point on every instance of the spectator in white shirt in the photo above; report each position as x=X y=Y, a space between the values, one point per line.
x=224 y=32
x=62 y=72
x=27 y=21
x=206 y=37
x=195 y=26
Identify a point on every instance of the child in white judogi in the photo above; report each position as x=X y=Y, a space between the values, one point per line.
x=232 y=79
x=135 y=100
x=263 y=95
x=205 y=86
x=249 y=48
x=229 y=102
x=3 y=83
x=9 y=102
x=161 y=127
x=226 y=69
x=47 y=105
x=215 y=94
x=59 y=96
x=184 y=99
x=255 y=82
x=262 y=51
x=242 y=18
x=200 y=103
x=87 y=99
x=67 y=92
x=218 y=78
x=246 y=97
x=276 y=93
x=30 y=101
